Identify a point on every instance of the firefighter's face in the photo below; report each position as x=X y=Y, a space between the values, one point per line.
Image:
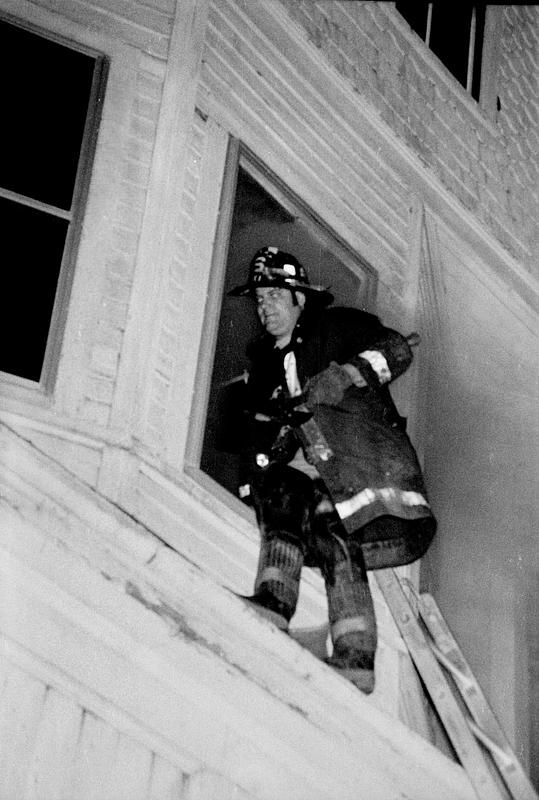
x=277 y=312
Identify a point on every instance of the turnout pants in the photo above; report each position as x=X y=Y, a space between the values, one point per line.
x=299 y=526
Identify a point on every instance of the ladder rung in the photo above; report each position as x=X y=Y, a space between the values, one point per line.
x=428 y=652
x=470 y=754
x=506 y=761
x=492 y=746
x=448 y=664
x=484 y=724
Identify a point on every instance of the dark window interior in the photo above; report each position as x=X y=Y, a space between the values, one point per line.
x=46 y=90
x=416 y=15
x=455 y=30
x=46 y=99
x=260 y=219
x=33 y=243
x=450 y=38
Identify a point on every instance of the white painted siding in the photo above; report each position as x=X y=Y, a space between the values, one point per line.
x=145 y=26
x=150 y=655
x=51 y=748
x=490 y=168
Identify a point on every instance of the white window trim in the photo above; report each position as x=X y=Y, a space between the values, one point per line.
x=489 y=65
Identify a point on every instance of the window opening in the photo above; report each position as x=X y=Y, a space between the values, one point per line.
x=265 y=212
x=51 y=94
x=454 y=33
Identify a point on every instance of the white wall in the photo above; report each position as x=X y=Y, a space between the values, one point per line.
x=480 y=419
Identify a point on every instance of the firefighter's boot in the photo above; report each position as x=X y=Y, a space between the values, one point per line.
x=277 y=581
x=351 y=617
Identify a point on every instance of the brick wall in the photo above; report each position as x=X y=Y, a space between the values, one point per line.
x=490 y=168
x=518 y=117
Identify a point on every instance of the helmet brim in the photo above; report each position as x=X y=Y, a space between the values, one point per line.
x=317 y=293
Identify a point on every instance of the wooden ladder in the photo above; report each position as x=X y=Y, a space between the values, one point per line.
x=475 y=734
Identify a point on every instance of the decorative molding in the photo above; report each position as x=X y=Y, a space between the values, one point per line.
x=156 y=244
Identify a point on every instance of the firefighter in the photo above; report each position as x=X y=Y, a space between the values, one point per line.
x=329 y=468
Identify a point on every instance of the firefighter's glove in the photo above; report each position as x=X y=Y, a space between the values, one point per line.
x=286 y=411
x=328 y=387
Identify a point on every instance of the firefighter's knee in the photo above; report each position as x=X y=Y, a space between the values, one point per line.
x=283 y=499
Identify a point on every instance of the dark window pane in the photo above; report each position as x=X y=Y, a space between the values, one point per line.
x=45 y=94
x=34 y=242
x=415 y=15
x=450 y=37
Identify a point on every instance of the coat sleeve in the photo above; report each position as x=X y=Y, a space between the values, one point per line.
x=384 y=358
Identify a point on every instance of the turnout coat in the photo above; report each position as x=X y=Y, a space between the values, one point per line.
x=370 y=467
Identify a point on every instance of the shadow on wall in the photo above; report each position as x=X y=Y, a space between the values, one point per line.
x=482 y=472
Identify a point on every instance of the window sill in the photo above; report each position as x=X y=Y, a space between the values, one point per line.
x=23 y=390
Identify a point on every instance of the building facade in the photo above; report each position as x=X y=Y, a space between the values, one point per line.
x=129 y=667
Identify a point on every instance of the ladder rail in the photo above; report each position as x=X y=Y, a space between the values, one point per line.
x=504 y=758
x=462 y=738
x=438 y=647
x=484 y=723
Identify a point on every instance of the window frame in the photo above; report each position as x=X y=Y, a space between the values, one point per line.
x=486 y=108
x=74 y=216
x=239 y=155
x=471 y=47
